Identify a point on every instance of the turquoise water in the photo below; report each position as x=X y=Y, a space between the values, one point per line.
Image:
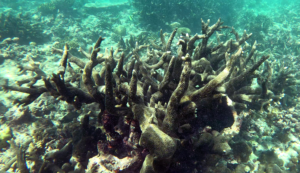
x=146 y=86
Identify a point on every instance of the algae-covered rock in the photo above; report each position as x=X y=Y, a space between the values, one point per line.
x=283 y=137
x=157 y=142
x=120 y=30
x=184 y=30
x=174 y=25
x=3 y=108
x=221 y=145
x=161 y=148
x=73 y=44
x=204 y=140
x=241 y=151
x=270 y=157
x=221 y=148
x=5 y=135
x=273 y=168
x=241 y=168
x=212 y=159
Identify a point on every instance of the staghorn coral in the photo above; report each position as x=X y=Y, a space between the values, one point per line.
x=129 y=44
x=259 y=25
x=284 y=82
x=156 y=120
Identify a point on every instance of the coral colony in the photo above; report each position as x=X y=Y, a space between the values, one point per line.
x=149 y=119
x=203 y=103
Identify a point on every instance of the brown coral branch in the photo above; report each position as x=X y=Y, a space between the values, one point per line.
x=167 y=76
x=162 y=39
x=207 y=90
x=168 y=45
x=59 y=154
x=63 y=63
x=109 y=95
x=252 y=51
x=87 y=71
x=71 y=57
x=236 y=82
x=133 y=88
x=170 y=122
x=34 y=67
x=120 y=70
x=158 y=65
x=21 y=160
x=71 y=94
x=34 y=93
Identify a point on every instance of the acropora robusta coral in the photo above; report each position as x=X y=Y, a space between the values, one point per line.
x=161 y=110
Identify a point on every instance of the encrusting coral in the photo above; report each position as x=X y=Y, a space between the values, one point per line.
x=152 y=121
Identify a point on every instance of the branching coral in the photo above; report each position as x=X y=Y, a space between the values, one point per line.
x=259 y=25
x=157 y=14
x=54 y=5
x=283 y=80
x=20 y=25
x=128 y=45
x=196 y=105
